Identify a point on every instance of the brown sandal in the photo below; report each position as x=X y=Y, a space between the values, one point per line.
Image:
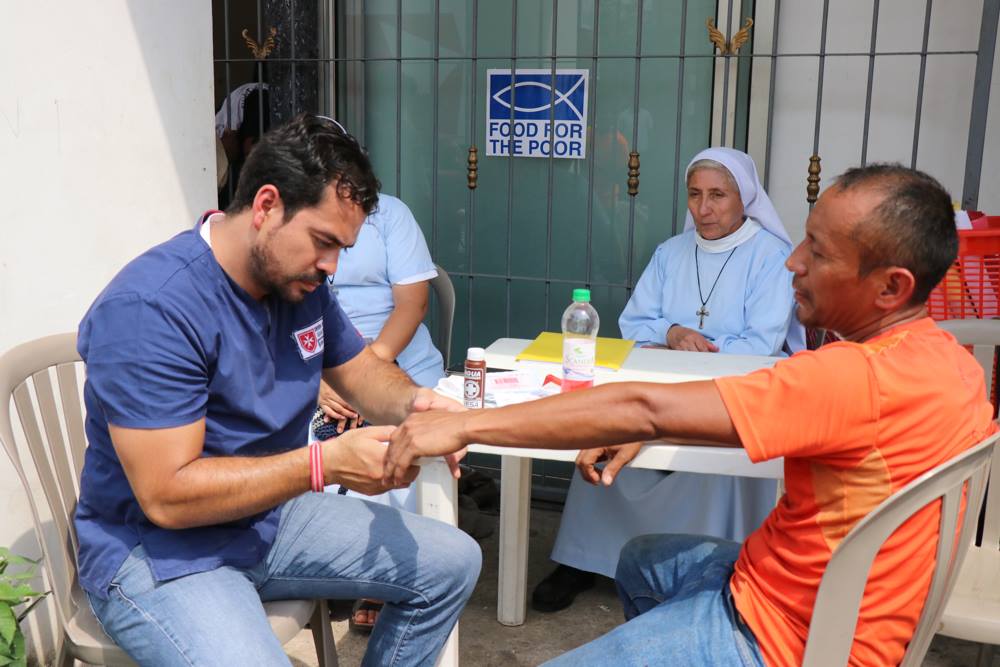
x=363 y=604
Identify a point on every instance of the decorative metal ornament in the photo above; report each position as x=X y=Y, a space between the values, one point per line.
x=719 y=40
x=260 y=51
x=473 y=175
x=812 y=187
x=741 y=37
x=715 y=36
x=633 y=173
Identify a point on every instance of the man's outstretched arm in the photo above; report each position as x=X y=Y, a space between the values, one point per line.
x=608 y=415
x=381 y=391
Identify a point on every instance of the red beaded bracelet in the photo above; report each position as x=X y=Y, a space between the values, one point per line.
x=316 y=466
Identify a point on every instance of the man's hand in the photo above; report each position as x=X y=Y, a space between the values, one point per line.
x=430 y=433
x=682 y=338
x=428 y=399
x=617 y=457
x=336 y=408
x=357 y=460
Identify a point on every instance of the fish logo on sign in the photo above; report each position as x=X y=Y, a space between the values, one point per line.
x=537 y=113
x=533 y=95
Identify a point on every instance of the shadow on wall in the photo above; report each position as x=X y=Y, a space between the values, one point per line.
x=181 y=82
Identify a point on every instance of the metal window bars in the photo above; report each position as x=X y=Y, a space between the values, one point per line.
x=343 y=59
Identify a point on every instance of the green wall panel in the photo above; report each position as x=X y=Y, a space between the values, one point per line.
x=529 y=220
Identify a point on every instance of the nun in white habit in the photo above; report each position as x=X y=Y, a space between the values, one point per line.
x=720 y=286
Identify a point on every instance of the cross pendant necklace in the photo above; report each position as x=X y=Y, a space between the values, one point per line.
x=702 y=312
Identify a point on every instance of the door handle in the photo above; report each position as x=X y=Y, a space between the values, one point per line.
x=812 y=180
x=633 y=173
x=473 y=172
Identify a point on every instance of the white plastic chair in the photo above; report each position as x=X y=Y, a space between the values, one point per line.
x=972 y=612
x=835 y=613
x=445 y=293
x=40 y=378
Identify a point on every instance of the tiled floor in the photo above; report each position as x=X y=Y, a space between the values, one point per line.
x=486 y=643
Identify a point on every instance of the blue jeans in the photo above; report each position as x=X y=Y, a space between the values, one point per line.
x=327 y=546
x=678 y=608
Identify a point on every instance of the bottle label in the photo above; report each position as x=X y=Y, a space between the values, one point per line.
x=475 y=384
x=578 y=359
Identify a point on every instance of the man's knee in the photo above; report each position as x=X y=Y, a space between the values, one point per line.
x=465 y=559
x=642 y=551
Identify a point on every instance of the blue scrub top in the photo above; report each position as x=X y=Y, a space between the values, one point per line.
x=390 y=250
x=171 y=340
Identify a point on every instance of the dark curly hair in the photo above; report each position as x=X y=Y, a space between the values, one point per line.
x=301 y=158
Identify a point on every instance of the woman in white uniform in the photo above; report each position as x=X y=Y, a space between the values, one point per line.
x=382 y=283
x=720 y=286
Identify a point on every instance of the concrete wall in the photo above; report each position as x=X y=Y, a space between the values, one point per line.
x=106 y=147
x=946 y=107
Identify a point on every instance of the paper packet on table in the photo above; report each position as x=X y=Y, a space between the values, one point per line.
x=502 y=388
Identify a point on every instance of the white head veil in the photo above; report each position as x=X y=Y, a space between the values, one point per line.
x=756 y=203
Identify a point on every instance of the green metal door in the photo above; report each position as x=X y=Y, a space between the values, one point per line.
x=414 y=78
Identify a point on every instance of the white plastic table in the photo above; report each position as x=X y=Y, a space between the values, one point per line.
x=437 y=491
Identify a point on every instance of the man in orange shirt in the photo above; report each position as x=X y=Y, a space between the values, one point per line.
x=855 y=421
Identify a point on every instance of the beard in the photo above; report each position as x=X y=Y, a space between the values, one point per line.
x=808 y=318
x=265 y=269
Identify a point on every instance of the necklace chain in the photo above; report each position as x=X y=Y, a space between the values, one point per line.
x=703 y=312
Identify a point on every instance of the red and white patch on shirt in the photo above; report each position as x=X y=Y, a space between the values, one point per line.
x=310 y=340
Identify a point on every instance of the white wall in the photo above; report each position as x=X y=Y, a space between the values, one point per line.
x=106 y=147
x=945 y=112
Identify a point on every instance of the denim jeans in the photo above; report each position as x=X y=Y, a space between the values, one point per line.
x=327 y=546
x=678 y=608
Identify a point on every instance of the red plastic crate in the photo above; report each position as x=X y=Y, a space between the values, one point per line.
x=971 y=288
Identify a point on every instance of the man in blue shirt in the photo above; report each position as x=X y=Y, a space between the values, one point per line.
x=204 y=356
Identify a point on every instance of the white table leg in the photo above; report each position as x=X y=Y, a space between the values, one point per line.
x=437 y=498
x=449 y=654
x=437 y=491
x=515 y=507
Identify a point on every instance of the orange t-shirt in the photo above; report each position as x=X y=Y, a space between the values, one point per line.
x=855 y=423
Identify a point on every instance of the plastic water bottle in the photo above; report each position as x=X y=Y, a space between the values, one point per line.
x=580 y=323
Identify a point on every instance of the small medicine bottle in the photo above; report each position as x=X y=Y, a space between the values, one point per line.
x=475 y=377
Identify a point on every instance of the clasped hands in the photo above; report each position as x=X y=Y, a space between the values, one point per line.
x=358 y=458
x=425 y=433
x=441 y=433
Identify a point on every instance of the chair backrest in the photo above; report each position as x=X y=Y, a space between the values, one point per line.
x=445 y=293
x=41 y=378
x=835 y=613
x=983 y=336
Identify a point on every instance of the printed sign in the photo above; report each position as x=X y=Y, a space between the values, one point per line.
x=536 y=114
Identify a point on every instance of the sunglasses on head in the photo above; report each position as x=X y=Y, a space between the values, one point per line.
x=334 y=121
x=343 y=130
